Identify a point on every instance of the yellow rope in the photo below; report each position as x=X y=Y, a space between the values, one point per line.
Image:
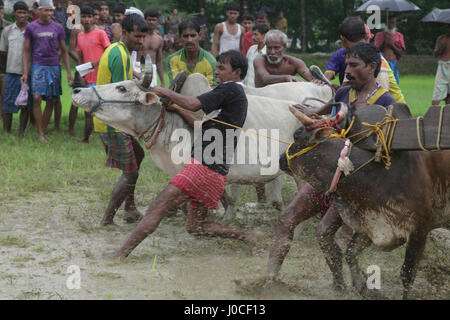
x=227 y=124
x=438 y=138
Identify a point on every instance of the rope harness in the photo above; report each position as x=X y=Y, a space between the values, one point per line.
x=438 y=139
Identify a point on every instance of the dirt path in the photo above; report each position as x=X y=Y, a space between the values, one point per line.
x=43 y=236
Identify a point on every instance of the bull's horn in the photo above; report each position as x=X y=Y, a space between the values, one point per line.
x=307 y=121
x=147 y=71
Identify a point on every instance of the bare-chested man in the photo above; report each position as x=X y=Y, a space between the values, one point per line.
x=153 y=43
x=275 y=66
x=442 y=81
x=229 y=34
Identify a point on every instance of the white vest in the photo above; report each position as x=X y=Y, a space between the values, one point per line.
x=229 y=41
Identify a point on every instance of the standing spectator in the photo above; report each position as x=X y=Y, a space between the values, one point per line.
x=103 y=18
x=391 y=43
x=123 y=151
x=162 y=22
x=229 y=34
x=351 y=32
x=119 y=14
x=96 y=8
x=43 y=39
x=3 y=24
x=90 y=47
x=34 y=14
x=173 y=22
x=12 y=41
x=191 y=58
x=202 y=21
x=259 y=32
x=153 y=45
x=261 y=18
x=282 y=23
x=247 y=23
x=60 y=14
x=442 y=81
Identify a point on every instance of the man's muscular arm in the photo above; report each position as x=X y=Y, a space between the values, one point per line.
x=302 y=69
x=264 y=78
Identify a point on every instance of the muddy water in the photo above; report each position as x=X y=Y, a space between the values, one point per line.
x=41 y=239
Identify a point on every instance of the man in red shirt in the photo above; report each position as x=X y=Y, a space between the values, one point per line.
x=90 y=46
x=247 y=23
x=391 y=43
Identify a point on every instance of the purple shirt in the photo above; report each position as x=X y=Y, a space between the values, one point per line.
x=44 y=42
x=347 y=95
x=337 y=64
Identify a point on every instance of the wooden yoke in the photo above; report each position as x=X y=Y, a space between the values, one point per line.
x=428 y=133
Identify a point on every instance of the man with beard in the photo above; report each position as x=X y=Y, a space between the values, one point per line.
x=191 y=58
x=363 y=63
x=153 y=45
x=275 y=66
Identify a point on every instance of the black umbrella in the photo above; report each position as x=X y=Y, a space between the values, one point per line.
x=390 y=5
x=438 y=15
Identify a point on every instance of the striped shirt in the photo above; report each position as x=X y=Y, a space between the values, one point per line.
x=252 y=54
x=114 y=66
x=206 y=65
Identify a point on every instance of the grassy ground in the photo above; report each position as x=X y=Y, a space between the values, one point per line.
x=52 y=197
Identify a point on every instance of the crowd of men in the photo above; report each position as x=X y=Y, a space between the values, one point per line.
x=248 y=54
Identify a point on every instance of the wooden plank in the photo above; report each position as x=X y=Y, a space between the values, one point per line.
x=405 y=136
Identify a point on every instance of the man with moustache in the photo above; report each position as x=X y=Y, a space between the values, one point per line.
x=275 y=66
x=191 y=58
x=153 y=45
x=363 y=63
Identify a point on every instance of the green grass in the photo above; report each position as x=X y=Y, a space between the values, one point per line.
x=66 y=166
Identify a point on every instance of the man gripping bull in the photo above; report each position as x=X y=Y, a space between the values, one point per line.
x=123 y=151
x=202 y=180
x=363 y=64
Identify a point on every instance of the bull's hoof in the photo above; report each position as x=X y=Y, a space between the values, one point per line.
x=132 y=216
x=252 y=285
x=277 y=205
x=339 y=288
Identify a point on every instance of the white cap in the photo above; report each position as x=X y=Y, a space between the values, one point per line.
x=45 y=3
x=133 y=10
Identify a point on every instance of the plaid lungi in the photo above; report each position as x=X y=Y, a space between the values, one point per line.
x=120 y=151
x=201 y=184
x=12 y=89
x=46 y=81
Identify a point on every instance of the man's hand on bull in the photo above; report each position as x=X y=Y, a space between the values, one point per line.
x=159 y=91
x=24 y=79
x=307 y=109
x=290 y=78
x=318 y=82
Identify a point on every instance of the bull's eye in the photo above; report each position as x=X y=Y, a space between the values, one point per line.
x=121 y=89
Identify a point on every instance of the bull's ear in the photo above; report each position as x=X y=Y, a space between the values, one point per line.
x=149 y=98
x=321 y=134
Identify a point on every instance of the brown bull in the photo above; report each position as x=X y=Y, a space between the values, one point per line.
x=385 y=207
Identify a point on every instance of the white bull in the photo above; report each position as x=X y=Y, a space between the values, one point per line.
x=144 y=117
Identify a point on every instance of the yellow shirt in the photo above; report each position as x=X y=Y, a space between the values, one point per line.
x=206 y=65
x=115 y=66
